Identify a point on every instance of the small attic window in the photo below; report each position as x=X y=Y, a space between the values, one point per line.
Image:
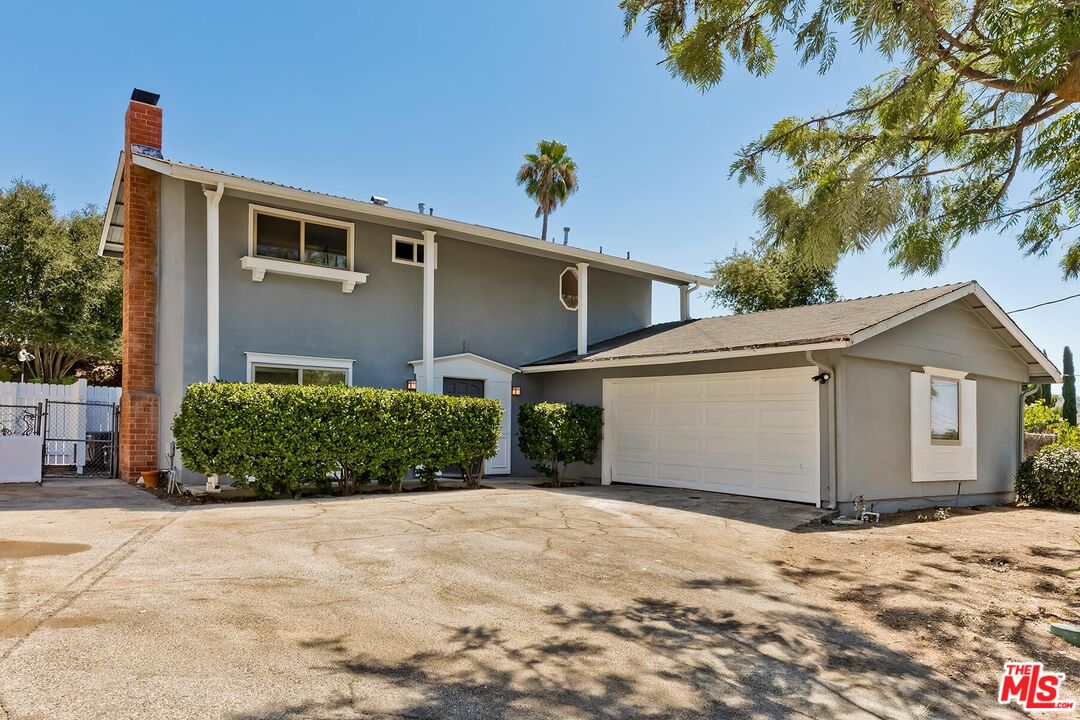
x=568 y=288
x=408 y=251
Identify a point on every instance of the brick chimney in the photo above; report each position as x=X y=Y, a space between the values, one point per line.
x=139 y=401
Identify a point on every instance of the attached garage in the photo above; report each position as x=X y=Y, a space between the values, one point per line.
x=748 y=433
x=918 y=398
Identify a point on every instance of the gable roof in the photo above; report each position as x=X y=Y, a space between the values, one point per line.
x=151 y=158
x=810 y=327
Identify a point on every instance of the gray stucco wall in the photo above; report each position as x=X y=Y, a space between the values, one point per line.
x=171 y=310
x=496 y=303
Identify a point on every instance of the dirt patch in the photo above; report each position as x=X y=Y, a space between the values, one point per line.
x=18 y=549
x=962 y=595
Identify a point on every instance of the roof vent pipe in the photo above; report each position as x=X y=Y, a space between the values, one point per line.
x=627 y=254
x=421 y=206
x=566 y=235
x=431 y=211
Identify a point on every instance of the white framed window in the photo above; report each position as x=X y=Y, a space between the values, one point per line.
x=944 y=436
x=298 y=369
x=300 y=238
x=568 y=288
x=409 y=251
x=944 y=411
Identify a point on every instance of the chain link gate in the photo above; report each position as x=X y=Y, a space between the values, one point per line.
x=81 y=439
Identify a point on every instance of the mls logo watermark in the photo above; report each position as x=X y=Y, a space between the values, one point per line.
x=1026 y=684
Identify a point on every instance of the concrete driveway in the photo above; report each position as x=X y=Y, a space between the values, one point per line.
x=510 y=602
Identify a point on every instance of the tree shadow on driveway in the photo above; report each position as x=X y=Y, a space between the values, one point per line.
x=653 y=658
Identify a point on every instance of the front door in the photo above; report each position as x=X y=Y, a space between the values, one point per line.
x=463 y=387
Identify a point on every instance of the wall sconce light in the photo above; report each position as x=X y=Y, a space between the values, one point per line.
x=515 y=391
x=410 y=384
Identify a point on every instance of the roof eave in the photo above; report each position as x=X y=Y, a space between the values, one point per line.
x=643 y=360
x=386 y=214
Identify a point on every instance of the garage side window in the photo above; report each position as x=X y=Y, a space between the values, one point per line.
x=944 y=411
x=943 y=426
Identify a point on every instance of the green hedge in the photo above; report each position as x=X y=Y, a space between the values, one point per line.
x=554 y=434
x=287 y=436
x=1051 y=478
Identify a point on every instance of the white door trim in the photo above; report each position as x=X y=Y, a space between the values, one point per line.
x=498 y=379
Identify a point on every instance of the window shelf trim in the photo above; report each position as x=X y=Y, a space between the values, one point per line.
x=259 y=266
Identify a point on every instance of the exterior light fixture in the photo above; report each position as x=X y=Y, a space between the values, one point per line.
x=515 y=391
x=410 y=384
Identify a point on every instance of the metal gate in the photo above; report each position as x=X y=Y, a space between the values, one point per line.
x=80 y=439
x=20 y=420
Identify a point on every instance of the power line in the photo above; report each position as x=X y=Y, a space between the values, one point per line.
x=1048 y=302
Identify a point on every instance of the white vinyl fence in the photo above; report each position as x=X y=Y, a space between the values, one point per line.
x=78 y=421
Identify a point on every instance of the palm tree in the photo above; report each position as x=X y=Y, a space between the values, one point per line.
x=550 y=177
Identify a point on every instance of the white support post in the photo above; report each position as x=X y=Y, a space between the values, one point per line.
x=684 y=301
x=583 y=309
x=213 y=279
x=429 y=311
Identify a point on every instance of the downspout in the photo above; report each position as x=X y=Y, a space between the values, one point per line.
x=684 y=300
x=1024 y=395
x=583 y=309
x=429 y=312
x=213 y=280
x=834 y=461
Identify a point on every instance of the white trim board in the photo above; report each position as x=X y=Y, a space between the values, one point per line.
x=687 y=358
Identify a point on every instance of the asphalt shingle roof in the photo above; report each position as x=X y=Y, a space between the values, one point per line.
x=809 y=324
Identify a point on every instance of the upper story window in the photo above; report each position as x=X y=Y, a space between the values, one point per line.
x=408 y=251
x=944 y=411
x=298 y=237
x=568 y=288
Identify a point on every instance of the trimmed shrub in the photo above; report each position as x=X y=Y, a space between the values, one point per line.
x=284 y=437
x=1051 y=478
x=554 y=434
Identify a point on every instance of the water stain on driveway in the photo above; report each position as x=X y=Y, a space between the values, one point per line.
x=19 y=549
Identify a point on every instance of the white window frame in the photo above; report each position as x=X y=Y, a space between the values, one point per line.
x=256 y=210
x=416 y=243
x=577 y=279
x=959 y=409
x=297 y=362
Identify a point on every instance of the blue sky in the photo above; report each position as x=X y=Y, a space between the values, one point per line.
x=436 y=102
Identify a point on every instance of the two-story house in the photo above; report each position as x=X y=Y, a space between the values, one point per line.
x=897 y=397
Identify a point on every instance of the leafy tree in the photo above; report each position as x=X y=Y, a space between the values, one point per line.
x=550 y=178
x=925 y=155
x=1068 y=388
x=768 y=278
x=58 y=298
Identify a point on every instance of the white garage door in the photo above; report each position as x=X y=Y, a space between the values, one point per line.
x=749 y=433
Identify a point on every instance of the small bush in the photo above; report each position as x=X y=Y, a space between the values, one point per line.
x=554 y=434
x=286 y=437
x=1051 y=478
